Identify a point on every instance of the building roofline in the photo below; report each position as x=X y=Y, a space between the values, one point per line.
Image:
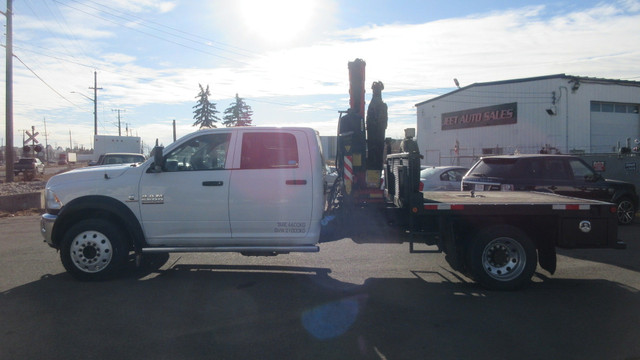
x=582 y=79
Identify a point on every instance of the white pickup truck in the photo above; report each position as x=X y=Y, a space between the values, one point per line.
x=261 y=191
x=249 y=190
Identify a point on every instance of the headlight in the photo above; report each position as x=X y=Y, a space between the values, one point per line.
x=51 y=201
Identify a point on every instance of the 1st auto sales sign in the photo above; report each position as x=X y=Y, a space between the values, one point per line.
x=486 y=116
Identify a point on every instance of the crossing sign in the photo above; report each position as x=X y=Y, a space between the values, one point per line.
x=31 y=137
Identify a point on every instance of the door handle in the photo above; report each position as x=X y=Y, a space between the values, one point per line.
x=296 y=182
x=212 y=183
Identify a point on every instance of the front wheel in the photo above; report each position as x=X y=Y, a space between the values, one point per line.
x=93 y=249
x=502 y=258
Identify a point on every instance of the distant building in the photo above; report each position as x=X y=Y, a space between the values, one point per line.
x=555 y=113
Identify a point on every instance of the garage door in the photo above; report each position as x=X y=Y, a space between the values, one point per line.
x=611 y=124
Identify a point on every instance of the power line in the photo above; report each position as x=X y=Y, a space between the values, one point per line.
x=44 y=82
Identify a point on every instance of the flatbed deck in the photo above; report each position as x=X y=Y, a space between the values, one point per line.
x=503 y=198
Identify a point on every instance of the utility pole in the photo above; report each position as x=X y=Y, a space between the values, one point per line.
x=9 y=94
x=174 y=130
x=95 y=89
x=119 y=124
x=46 y=141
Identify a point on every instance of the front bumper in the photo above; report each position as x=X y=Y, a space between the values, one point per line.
x=46 y=227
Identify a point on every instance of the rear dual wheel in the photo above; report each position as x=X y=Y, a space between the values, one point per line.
x=502 y=258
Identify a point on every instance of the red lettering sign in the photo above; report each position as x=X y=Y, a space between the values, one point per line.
x=502 y=114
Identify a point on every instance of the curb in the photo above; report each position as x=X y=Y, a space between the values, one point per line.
x=13 y=203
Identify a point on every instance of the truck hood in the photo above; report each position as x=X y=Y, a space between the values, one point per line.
x=93 y=173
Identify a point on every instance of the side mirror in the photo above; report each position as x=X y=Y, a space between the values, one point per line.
x=158 y=159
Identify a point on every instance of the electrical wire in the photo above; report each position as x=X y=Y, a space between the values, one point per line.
x=44 y=82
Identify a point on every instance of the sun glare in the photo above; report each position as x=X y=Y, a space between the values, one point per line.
x=277 y=21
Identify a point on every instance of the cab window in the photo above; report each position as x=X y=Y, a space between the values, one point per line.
x=269 y=150
x=207 y=152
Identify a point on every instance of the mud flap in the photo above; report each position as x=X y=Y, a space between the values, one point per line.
x=547 y=259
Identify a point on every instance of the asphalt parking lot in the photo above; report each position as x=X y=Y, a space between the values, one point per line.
x=350 y=301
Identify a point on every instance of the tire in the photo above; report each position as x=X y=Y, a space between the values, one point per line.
x=626 y=211
x=93 y=249
x=502 y=258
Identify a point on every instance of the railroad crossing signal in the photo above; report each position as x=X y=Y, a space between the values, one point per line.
x=31 y=137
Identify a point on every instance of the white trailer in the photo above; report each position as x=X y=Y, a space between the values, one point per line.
x=103 y=144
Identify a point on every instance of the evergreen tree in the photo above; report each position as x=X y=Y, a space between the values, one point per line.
x=238 y=114
x=205 y=111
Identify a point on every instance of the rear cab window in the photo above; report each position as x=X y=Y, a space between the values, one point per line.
x=269 y=150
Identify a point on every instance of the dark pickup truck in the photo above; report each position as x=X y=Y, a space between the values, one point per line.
x=28 y=165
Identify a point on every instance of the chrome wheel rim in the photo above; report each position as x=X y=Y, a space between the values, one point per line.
x=504 y=259
x=91 y=251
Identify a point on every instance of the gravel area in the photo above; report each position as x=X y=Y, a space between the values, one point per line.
x=19 y=186
x=22 y=187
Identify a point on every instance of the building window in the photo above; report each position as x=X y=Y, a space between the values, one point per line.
x=597 y=106
x=607 y=107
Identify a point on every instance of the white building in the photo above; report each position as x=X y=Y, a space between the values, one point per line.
x=557 y=113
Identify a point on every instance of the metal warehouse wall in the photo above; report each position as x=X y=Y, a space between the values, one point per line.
x=617 y=167
x=552 y=112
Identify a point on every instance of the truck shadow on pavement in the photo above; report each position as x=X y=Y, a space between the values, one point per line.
x=289 y=312
x=626 y=258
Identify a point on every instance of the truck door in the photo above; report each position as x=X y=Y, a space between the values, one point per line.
x=187 y=203
x=271 y=186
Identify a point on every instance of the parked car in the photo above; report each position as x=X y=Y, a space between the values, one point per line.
x=441 y=178
x=28 y=164
x=119 y=158
x=560 y=174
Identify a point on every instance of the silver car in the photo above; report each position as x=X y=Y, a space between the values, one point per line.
x=441 y=178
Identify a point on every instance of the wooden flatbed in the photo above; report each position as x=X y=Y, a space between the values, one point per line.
x=503 y=198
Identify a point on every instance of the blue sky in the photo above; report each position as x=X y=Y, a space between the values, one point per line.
x=288 y=58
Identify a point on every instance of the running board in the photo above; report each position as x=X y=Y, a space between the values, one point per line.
x=240 y=249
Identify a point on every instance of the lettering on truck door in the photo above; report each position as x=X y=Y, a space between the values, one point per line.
x=187 y=203
x=271 y=186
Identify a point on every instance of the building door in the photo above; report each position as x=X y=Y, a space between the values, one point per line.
x=613 y=124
